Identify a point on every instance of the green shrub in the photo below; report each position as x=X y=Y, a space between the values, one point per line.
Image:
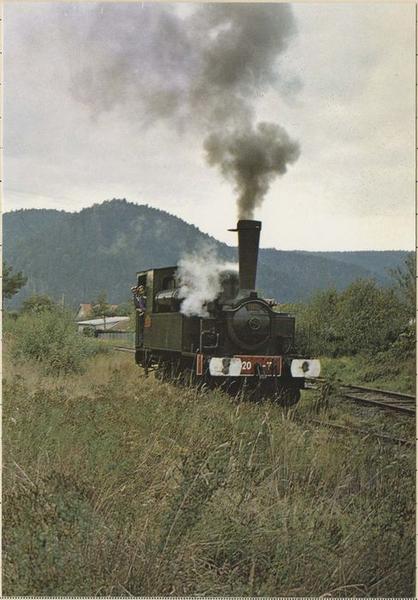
x=405 y=283
x=51 y=338
x=370 y=318
x=38 y=303
x=363 y=318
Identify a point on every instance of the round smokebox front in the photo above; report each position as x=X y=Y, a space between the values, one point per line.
x=249 y=326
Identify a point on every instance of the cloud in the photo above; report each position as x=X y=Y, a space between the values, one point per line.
x=352 y=117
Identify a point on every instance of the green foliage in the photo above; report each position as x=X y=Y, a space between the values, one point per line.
x=38 y=303
x=317 y=324
x=405 y=278
x=50 y=337
x=89 y=331
x=11 y=282
x=370 y=318
x=126 y=309
x=364 y=318
x=100 y=306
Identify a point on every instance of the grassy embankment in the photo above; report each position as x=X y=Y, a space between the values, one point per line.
x=115 y=484
x=363 y=370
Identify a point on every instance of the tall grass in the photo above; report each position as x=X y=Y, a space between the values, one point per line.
x=116 y=484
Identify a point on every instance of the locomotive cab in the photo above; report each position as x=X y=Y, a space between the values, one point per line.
x=165 y=329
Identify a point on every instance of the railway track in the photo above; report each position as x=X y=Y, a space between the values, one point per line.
x=385 y=399
x=123 y=349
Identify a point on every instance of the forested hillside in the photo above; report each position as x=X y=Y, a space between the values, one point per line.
x=78 y=255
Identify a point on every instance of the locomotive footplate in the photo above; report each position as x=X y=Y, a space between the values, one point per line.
x=244 y=365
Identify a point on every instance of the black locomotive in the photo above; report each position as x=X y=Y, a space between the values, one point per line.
x=242 y=341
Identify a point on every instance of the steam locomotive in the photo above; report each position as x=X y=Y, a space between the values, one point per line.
x=241 y=342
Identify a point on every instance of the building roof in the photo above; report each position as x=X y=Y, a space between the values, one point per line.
x=85 y=309
x=108 y=321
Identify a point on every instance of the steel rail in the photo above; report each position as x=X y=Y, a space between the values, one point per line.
x=386 y=392
x=123 y=349
x=410 y=410
x=386 y=399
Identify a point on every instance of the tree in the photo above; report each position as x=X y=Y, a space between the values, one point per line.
x=370 y=317
x=100 y=306
x=12 y=282
x=126 y=309
x=317 y=324
x=404 y=277
x=363 y=318
x=38 y=303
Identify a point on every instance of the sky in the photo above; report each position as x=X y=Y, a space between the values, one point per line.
x=120 y=100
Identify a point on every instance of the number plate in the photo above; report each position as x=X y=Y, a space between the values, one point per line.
x=270 y=365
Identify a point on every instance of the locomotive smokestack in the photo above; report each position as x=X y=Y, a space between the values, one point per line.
x=248 y=242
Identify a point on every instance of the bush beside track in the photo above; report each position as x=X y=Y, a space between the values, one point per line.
x=50 y=338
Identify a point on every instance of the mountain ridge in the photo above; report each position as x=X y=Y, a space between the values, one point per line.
x=79 y=254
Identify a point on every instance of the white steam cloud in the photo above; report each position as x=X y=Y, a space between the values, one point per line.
x=199 y=278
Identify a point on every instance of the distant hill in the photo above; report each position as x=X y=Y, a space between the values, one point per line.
x=101 y=247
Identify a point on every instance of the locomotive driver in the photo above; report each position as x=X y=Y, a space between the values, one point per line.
x=140 y=300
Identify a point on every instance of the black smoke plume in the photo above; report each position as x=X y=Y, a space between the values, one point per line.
x=251 y=158
x=198 y=67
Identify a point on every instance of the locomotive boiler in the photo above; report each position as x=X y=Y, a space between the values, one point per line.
x=242 y=341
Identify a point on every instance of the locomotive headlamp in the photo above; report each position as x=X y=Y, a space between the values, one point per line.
x=217 y=366
x=303 y=367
